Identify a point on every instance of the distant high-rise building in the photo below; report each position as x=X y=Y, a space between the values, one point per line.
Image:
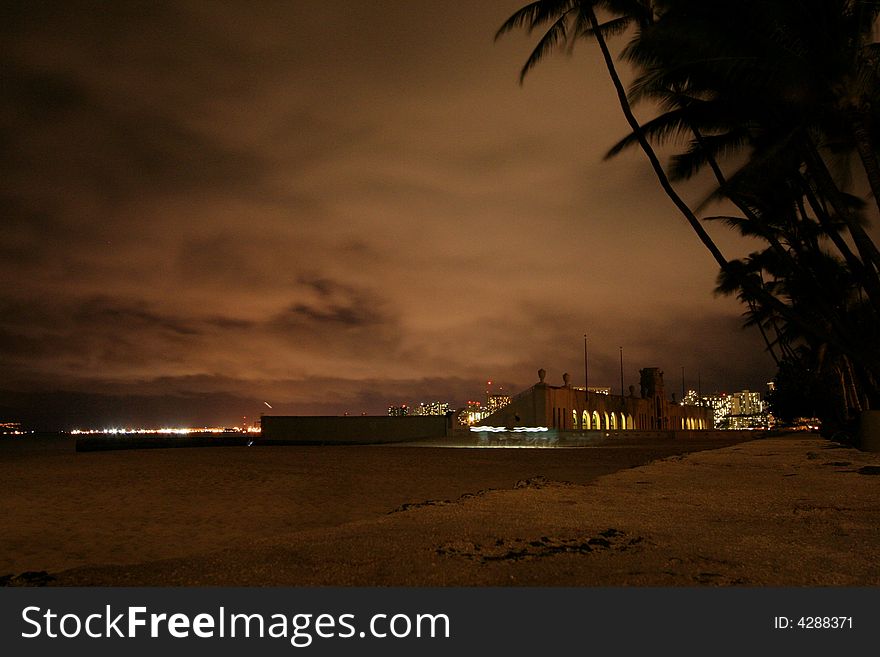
x=747 y=403
x=741 y=410
x=432 y=408
x=720 y=405
x=691 y=398
x=398 y=411
x=496 y=402
x=747 y=410
x=473 y=413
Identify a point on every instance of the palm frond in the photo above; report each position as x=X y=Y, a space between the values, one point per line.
x=710 y=147
x=612 y=27
x=534 y=14
x=658 y=129
x=555 y=36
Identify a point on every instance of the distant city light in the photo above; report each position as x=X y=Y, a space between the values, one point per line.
x=398 y=411
x=424 y=408
x=506 y=429
x=740 y=410
x=12 y=429
x=177 y=431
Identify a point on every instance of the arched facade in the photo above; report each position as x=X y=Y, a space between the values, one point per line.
x=565 y=408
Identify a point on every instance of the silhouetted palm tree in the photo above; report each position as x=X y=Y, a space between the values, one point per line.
x=810 y=67
x=570 y=20
x=781 y=88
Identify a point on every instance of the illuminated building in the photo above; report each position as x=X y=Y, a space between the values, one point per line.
x=740 y=410
x=496 y=402
x=566 y=408
x=476 y=411
x=473 y=413
x=398 y=411
x=747 y=411
x=720 y=405
x=747 y=403
x=432 y=408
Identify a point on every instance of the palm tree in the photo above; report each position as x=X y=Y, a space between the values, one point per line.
x=800 y=61
x=570 y=20
x=575 y=19
x=784 y=87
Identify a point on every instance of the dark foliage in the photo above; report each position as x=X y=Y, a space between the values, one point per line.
x=777 y=102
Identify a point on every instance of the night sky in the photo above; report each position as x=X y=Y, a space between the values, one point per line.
x=327 y=205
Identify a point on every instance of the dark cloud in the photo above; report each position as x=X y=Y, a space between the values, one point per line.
x=336 y=304
x=34 y=97
x=120 y=153
x=339 y=320
x=126 y=318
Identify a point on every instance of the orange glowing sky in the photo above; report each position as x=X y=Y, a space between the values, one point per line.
x=330 y=205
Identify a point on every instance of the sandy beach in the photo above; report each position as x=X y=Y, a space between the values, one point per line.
x=777 y=511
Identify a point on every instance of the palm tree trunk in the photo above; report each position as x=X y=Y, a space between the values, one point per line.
x=767 y=342
x=647 y=148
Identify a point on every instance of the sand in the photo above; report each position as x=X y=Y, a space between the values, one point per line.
x=781 y=511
